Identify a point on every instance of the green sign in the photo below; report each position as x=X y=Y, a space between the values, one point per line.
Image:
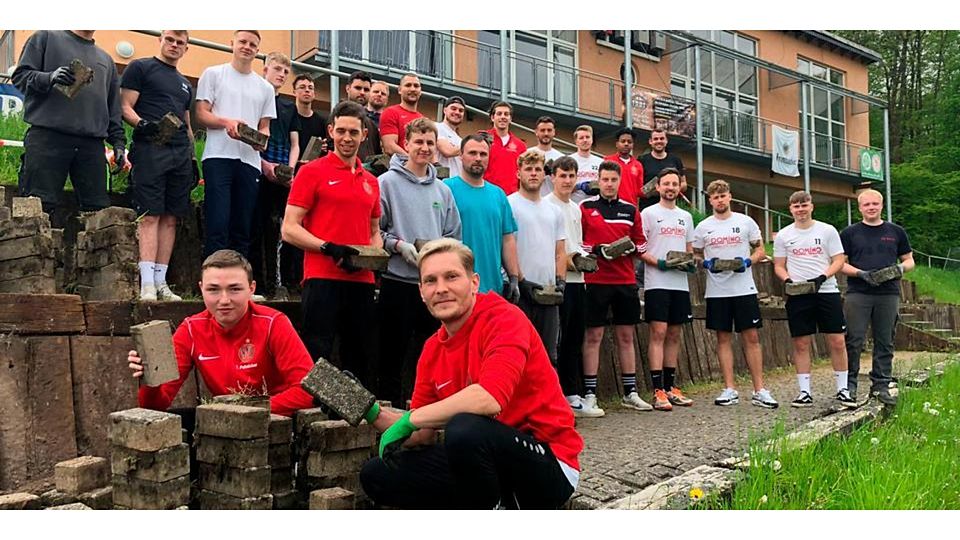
x=871 y=164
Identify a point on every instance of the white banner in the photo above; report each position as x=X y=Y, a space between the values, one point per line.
x=786 y=151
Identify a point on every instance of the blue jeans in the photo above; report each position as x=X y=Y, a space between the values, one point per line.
x=230 y=198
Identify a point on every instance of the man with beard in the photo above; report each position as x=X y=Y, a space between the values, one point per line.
x=656 y=160
x=394 y=120
x=358 y=91
x=379 y=95
x=505 y=148
x=546 y=131
x=448 y=135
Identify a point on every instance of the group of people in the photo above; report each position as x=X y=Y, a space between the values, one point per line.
x=511 y=225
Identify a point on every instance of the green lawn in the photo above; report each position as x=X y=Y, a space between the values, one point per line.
x=944 y=285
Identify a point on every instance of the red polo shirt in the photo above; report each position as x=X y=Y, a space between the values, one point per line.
x=502 y=169
x=631 y=178
x=340 y=204
x=394 y=120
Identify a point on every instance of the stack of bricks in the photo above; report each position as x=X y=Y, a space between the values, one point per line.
x=107 y=255
x=233 y=451
x=301 y=424
x=31 y=253
x=149 y=460
x=336 y=453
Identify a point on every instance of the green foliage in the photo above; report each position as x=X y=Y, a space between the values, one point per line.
x=943 y=285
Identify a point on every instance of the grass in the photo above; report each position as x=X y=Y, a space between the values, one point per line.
x=907 y=462
x=943 y=285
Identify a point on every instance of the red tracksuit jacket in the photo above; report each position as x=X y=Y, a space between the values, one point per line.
x=604 y=222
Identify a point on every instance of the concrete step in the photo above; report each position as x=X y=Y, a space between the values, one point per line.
x=942 y=332
x=921 y=324
x=908 y=317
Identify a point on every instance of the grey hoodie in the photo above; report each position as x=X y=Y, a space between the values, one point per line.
x=413 y=209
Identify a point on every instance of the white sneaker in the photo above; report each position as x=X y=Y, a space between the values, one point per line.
x=587 y=407
x=633 y=401
x=729 y=396
x=763 y=398
x=148 y=293
x=164 y=293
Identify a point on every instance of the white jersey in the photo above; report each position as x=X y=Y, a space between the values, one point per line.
x=808 y=252
x=231 y=94
x=570 y=211
x=454 y=163
x=553 y=154
x=539 y=228
x=727 y=239
x=666 y=230
x=588 y=170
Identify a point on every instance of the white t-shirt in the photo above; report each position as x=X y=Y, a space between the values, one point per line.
x=571 y=214
x=808 y=252
x=539 y=227
x=587 y=171
x=243 y=96
x=666 y=230
x=444 y=131
x=727 y=239
x=547 y=187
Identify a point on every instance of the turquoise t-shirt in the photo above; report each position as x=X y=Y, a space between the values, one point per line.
x=486 y=216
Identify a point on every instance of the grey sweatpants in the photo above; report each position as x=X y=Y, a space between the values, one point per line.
x=880 y=312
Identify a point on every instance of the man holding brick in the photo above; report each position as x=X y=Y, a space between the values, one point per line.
x=485 y=379
x=237 y=346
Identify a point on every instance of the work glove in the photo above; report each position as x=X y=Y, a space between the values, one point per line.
x=146 y=129
x=340 y=254
x=373 y=413
x=690 y=268
x=868 y=277
x=63 y=75
x=818 y=282
x=408 y=251
x=527 y=288
x=511 y=292
x=577 y=256
x=119 y=159
x=196 y=173
x=585 y=187
x=744 y=264
x=561 y=285
x=393 y=438
x=901 y=269
x=662 y=265
x=601 y=251
x=709 y=264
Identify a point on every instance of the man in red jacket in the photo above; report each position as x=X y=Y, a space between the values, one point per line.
x=505 y=148
x=236 y=345
x=485 y=379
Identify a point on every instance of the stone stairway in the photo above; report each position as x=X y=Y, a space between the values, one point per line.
x=917 y=333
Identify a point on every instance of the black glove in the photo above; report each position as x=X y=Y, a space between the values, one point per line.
x=868 y=277
x=511 y=292
x=119 y=159
x=196 y=173
x=340 y=255
x=63 y=75
x=788 y=280
x=561 y=285
x=527 y=288
x=818 y=282
x=146 y=129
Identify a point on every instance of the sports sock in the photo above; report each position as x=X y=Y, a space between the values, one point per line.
x=840 y=377
x=589 y=385
x=160 y=273
x=668 y=377
x=146 y=273
x=629 y=383
x=803 y=381
x=657 y=376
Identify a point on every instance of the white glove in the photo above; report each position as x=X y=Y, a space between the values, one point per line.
x=408 y=251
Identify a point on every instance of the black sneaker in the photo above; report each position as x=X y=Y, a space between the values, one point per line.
x=846 y=400
x=803 y=399
x=883 y=396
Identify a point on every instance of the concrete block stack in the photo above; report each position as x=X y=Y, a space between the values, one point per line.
x=280 y=457
x=332 y=499
x=31 y=253
x=337 y=452
x=301 y=424
x=233 y=451
x=107 y=255
x=149 y=461
x=86 y=479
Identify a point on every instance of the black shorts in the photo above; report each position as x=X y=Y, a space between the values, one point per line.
x=161 y=179
x=49 y=156
x=624 y=299
x=809 y=313
x=665 y=305
x=733 y=312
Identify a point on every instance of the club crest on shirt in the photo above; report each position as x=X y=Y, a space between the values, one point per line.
x=368 y=188
x=246 y=352
x=512 y=147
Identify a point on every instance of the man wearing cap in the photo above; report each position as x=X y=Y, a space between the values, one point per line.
x=448 y=135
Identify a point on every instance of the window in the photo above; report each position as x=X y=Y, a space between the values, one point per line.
x=426 y=52
x=542 y=64
x=729 y=89
x=826 y=115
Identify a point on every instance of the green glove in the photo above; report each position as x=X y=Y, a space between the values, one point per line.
x=662 y=265
x=373 y=413
x=394 y=436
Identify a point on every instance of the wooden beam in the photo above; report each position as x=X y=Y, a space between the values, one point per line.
x=41 y=314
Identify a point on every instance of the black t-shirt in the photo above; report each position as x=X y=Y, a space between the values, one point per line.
x=162 y=90
x=310 y=126
x=651 y=168
x=287 y=120
x=871 y=247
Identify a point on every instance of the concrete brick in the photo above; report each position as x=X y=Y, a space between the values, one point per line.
x=284 y=173
x=262 y=402
x=336 y=435
x=27 y=266
x=281 y=429
x=82 y=75
x=74 y=506
x=252 y=136
x=232 y=452
x=30 y=246
x=331 y=499
x=101 y=384
x=26 y=207
x=121 y=290
x=56 y=498
x=250 y=482
x=144 y=430
x=289 y=500
x=98 y=499
x=281 y=480
x=98 y=258
x=326 y=464
x=159 y=466
x=211 y=500
x=280 y=456
x=101 y=219
x=19 y=501
x=5 y=213
x=107 y=237
x=347 y=397
x=349 y=482
x=146 y=495
x=370 y=258
x=21 y=227
x=304 y=417
x=154 y=342
x=232 y=421
x=30 y=285
x=85 y=473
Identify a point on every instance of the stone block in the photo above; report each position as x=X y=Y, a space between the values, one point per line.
x=249 y=482
x=107 y=217
x=169 y=126
x=280 y=455
x=289 y=500
x=677 y=259
x=252 y=136
x=5 y=213
x=29 y=246
x=246 y=400
x=82 y=474
x=16 y=227
x=548 y=296
x=121 y=290
x=284 y=173
x=232 y=452
x=327 y=464
x=313 y=150
x=349 y=482
x=281 y=429
x=798 y=288
x=28 y=266
x=281 y=480
x=304 y=417
x=232 y=421
x=337 y=435
x=26 y=207
x=585 y=263
x=212 y=500
x=886 y=273
x=154 y=342
x=144 y=430
x=19 y=501
x=101 y=384
x=98 y=499
x=107 y=237
x=73 y=506
x=56 y=498
x=98 y=258
x=727 y=265
x=620 y=247
x=82 y=76
x=369 y=258
x=675 y=492
x=331 y=499
x=345 y=395
x=30 y=285
x=158 y=466
x=146 y=495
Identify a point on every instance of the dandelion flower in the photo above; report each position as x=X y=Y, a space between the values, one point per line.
x=763 y=500
x=874 y=441
x=696 y=494
x=934 y=412
x=926 y=405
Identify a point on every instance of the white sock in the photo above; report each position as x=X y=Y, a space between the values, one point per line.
x=803 y=380
x=160 y=273
x=841 y=379
x=146 y=273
